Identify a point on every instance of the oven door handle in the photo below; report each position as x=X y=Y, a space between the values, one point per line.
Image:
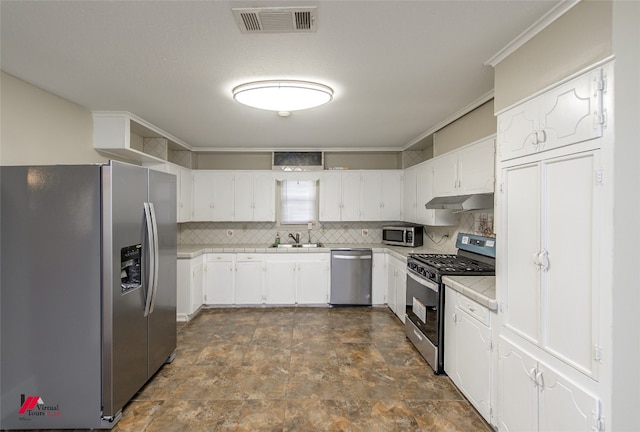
x=427 y=283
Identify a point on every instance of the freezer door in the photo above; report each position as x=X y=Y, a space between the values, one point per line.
x=50 y=290
x=125 y=267
x=162 y=317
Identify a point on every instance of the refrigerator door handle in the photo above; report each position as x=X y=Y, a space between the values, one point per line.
x=152 y=261
x=156 y=256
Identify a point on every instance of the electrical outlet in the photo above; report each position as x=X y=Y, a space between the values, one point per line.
x=229 y=233
x=365 y=232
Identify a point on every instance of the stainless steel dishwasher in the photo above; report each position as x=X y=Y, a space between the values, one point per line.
x=351 y=276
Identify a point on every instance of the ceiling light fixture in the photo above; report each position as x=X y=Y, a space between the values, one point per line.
x=283 y=96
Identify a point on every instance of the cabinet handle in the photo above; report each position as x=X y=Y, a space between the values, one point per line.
x=536 y=258
x=540 y=379
x=532 y=375
x=544 y=136
x=544 y=264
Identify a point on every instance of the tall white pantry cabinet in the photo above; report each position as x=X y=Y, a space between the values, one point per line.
x=551 y=181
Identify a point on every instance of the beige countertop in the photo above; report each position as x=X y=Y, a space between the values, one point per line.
x=482 y=289
x=186 y=251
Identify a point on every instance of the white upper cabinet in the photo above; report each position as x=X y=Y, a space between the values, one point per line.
x=380 y=198
x=360 y=195
x=254 y=197
x=567 y=114
x=409 y=195
x=476 y=167
x=213 y=198
x=468 y=170
x=424 y=194
x=233 y=196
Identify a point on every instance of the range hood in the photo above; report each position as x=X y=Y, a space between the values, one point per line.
x=462 y=203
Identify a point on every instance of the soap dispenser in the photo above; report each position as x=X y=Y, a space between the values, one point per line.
x=278 y=238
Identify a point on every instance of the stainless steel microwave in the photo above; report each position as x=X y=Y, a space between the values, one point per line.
x=410 y=236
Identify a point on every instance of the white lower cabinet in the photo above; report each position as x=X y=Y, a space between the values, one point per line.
x=379 y=279
x=249 y=279
x=277 y=279
x=280 y=281
x=468 y=350
x=534 y=397
x=190 y=285
x=219 y=279
x=397 y=286
x=312 y=279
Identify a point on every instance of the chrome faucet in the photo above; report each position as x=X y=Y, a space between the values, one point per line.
x=296 y=237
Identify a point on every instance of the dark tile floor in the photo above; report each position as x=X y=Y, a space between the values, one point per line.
x=297 y=369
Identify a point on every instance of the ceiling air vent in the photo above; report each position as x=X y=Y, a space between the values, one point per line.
x=276 y=19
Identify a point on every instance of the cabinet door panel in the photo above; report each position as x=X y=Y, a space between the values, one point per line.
x=517 y=391
x=401 y=293
x=569 y=113
x=391 y=196
x=570 y=234
x=516 y=131
x=243 y=197
x=203 y=184
x=248 y=283
x=409 y=195
x=563 y=406
x=223 y=197
x=330 y=196
x=219 y=283
x=370 y=196
x=280 y=283
x=264 y=197
x=186 y=203
x=473 y=361
x=351 y=196
x=445 y=175
x=450 y=333
x=313 y=282
x=476 y=168
x=521 y=215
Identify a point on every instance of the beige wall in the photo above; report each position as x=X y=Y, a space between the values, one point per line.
x=39 y=128
x=576 y=40
x=363 y=160
x=262 y=161
x=233 y=161
x=471 y=127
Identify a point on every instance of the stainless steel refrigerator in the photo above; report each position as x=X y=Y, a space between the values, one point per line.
x=88 y=291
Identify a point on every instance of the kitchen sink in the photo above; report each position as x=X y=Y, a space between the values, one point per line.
x=298 y=245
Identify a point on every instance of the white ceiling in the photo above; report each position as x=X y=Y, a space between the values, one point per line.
x=398 y=68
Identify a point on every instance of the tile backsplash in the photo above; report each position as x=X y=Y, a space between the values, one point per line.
x=265 y=232
x=325 y=232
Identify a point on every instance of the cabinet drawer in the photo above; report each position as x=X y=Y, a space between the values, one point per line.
x=219 y=257
x=476 y=310
x=249 y=257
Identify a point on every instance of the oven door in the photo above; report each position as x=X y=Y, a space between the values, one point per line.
x=423 y=305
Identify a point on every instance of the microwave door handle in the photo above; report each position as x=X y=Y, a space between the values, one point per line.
x=404 y=236
x=432 y=286
x=151 y=273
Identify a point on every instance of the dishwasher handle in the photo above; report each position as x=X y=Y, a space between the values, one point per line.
x=352 y=257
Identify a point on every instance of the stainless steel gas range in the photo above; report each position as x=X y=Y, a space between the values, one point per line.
x=424 y=324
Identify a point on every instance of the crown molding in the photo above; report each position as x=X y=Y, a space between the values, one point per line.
x=544 y=22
